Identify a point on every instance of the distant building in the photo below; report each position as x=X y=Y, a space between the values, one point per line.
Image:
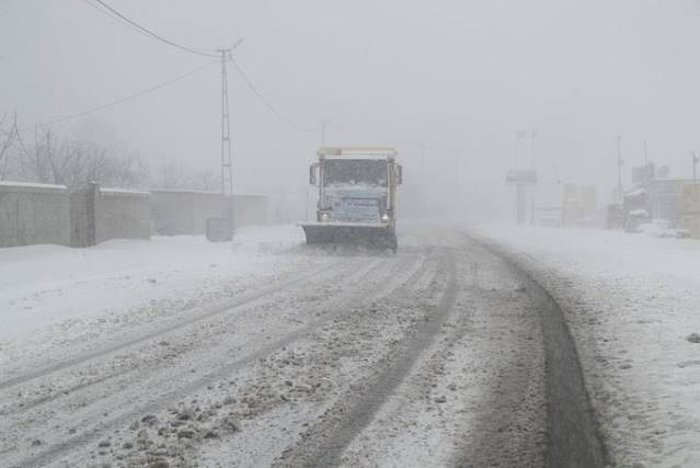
x=654 y=197
x=664 y=199
x=579 y=205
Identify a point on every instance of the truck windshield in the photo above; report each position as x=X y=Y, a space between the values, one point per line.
x=355 y=171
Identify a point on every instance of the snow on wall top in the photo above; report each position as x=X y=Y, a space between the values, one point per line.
x=7 y=186
x=203 y=192
x=197 y=192
x=127 y=192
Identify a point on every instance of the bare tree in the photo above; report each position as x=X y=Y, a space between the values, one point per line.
x=38 y=161
x=174 y=175
x=177 y=175
x=209 y=180
x=74 y=163
x=8 y=136
x=128 y=170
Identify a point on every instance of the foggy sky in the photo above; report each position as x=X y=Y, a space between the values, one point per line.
x=459 y=76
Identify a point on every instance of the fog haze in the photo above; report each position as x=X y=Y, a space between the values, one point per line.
x=460 y=78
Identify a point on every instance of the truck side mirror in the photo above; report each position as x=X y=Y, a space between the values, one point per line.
x=312 y=174
x=399 y=175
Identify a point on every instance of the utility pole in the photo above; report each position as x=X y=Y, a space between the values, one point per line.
x=619 y=168
x=423 y=205
x=533 y=135
x=646 y=154
x=226 y=162
x=324 y=123
x=226 y=169
x=696 y=160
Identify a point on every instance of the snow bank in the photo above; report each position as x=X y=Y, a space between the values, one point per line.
x=633 y=303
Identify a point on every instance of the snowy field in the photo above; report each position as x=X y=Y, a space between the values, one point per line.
x=633 y=305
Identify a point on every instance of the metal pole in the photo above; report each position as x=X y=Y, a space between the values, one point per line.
x=646 y=153
x=520 y=203
x=323 y=132
x=619 y=168
x=423 y=167
x=695 y=165
x=226 y=169
x=226 y=165
x=532 y=191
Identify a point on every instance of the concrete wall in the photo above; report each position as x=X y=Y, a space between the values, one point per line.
x=82 y=216
x=122 y=214
x=50 y=214
x=33 y=214
x=98 y=215
x=177 y=212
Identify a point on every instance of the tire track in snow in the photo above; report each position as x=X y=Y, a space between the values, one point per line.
x=401 y=271
x=327 y=441
x=243 y=301
x=103 y=377
x=574 y=438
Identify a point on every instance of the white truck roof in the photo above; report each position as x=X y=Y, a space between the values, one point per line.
x=356 y=152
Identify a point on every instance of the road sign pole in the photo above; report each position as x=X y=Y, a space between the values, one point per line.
x=520 y=202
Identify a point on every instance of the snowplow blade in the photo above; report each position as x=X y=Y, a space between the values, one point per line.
x=365 y=235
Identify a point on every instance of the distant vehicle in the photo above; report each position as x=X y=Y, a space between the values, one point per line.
x=356 y=197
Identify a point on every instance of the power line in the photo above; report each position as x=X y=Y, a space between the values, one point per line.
x=148 y=32
x=123 y=99
x=267 y=103
x=113 y=13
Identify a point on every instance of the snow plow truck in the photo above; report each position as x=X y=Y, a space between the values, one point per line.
x=356 y=197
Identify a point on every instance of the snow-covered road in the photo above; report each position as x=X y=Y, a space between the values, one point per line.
x=263 y=352
x=632 y=303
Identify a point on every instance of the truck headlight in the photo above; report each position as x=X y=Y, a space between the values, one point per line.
x=385 y=217
x=325 y=216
